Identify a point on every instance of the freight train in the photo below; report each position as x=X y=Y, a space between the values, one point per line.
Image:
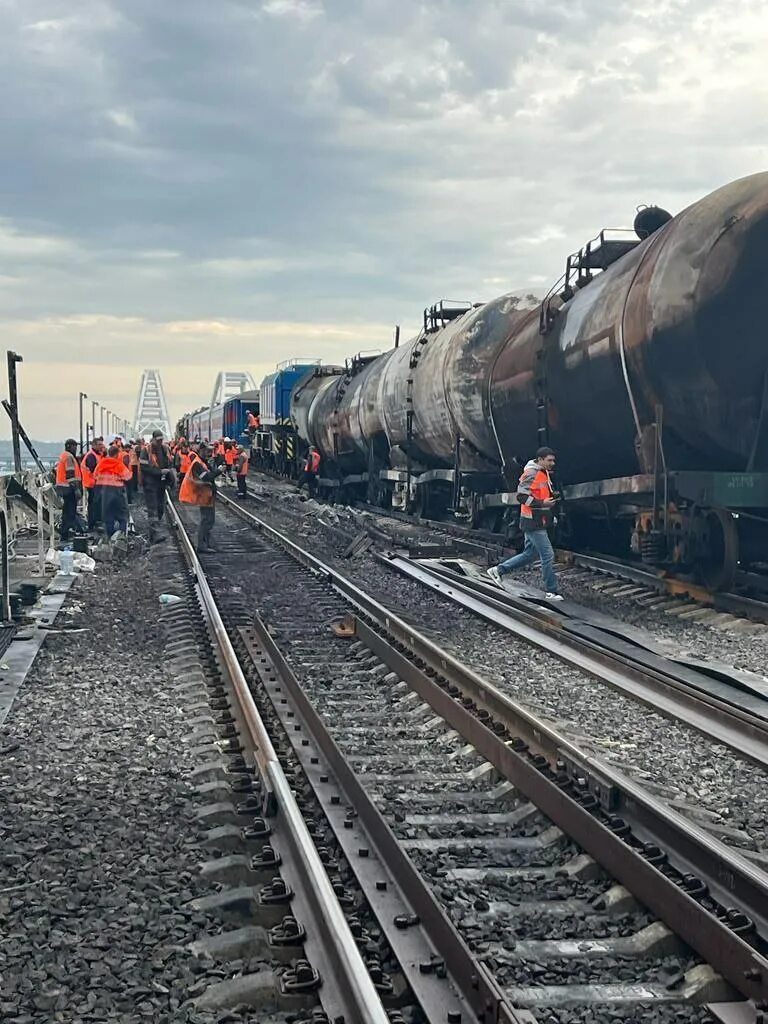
x=645 y=367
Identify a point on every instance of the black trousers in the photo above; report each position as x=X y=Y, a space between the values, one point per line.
x=132 y=485
x=94 y=507
x=310 y=479
x=154 y=496
x=69 y=517
x=114 y=506
x=242 y=487
x=207 y=519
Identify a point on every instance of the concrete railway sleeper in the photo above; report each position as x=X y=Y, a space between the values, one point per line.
x=508 y=842
x=274 y=893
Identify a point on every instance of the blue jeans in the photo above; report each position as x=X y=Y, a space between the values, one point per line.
x=537 y=545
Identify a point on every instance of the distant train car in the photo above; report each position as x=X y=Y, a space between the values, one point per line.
x=228 y=419
x=236 y=415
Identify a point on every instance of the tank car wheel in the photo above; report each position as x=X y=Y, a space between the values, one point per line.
x=717 y=553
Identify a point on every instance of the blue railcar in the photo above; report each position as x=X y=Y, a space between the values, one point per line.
x=236 y=413
x=276 y=390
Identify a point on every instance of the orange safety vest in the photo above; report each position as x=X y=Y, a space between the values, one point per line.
x=185 y=461
x=67 y=462
x=192 y=491
x=89 y=477
x=242 y=464
x=230 y=455
x=253 y=421
x=133 y=457
x=540 y=488
x=112 y=472
x=312 y=465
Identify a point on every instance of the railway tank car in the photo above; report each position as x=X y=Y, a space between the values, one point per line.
x=646 y=368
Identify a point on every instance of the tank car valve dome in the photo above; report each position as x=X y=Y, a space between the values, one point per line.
x=649 y=219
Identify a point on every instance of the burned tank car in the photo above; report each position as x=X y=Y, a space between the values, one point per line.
x=343 y=419
x=672 y=331
x=647 y=372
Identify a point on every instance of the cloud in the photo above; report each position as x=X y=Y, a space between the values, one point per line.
x=341 y=163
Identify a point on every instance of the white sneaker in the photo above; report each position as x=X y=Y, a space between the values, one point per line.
x=495 y=575
x=553 y=597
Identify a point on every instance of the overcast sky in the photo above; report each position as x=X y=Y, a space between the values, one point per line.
x=219 y=184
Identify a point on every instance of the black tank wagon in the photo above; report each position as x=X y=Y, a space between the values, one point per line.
x=645 y=367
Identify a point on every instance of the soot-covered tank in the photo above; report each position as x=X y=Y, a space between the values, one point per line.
x=646 y=370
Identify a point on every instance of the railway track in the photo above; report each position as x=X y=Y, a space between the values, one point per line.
x=498 y=863
x=673 y=593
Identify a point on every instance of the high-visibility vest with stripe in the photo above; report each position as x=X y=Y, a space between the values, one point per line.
x=88 y=476
x=540 y=488
x=242 y=464
x=67 y=469
x=112 y=472
x=312 y=465
x=193 y=491
x=185 y=461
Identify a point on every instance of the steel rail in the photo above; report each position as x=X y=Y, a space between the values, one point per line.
x=731 y=880
x=352 y=979
x=727 y=602
x=483 y=541
x=672 y=693
x=475 y=987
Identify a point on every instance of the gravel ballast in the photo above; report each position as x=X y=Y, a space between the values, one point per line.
x=98 y=849
x=704 y=780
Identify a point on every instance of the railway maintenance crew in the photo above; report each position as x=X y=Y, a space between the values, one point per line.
x=156 y=468
x=199 y=488
x=537 y=504
x=112 y=475
x=69 y=485
x=88 y=467
x=241 y=471
x=310 y=472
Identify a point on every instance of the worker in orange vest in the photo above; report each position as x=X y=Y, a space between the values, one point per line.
x=311 y=470
x=230 y=457
x=241 y=471
x=111 y=476
x=69 y=486
x=199 y=488
x=157 y=474
x=538 y=502
x=88 y=468
x=183 y=457
x=252 y=423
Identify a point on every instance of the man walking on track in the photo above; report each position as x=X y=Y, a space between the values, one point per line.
x=112 y=476
x=537 y=505
x=156 y=467
x=199 y=488
x=241 y=471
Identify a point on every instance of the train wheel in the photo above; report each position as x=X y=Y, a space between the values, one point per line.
x=717 y=547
